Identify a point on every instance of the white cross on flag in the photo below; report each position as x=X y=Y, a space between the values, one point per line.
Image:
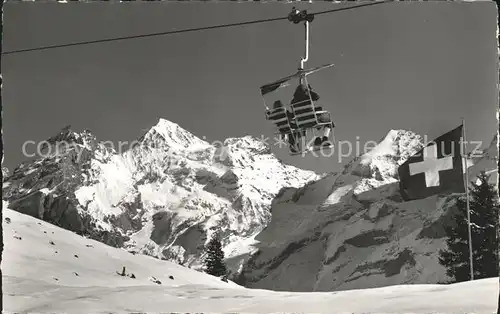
x=435 y=169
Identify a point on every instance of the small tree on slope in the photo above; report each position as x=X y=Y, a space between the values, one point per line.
x=484 y=217
x=214 y=259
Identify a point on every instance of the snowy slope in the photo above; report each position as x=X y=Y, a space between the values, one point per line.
x=58 y=254
x=352 y=230
x=40 y=277
x=163 y=197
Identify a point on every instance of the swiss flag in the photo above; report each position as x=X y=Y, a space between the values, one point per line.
x=435 y=169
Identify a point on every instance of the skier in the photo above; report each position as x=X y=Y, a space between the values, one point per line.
x=301 y=103
x=283 y=119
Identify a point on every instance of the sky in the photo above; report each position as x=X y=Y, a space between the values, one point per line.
x=418 y=66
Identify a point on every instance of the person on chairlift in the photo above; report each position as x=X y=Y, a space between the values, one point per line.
x=284 y=126
x=301 y=103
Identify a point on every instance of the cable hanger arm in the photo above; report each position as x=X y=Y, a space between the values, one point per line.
x=306 y=55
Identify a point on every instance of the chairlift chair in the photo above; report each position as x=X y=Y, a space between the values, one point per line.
x=305 y=113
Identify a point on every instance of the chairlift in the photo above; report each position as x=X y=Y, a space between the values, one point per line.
x=301 y=118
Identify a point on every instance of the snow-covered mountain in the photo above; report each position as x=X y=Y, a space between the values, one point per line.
x=164 y=196
x=46 y=269
x=486 y=160
x=353 y=230
x=283 y=228
x=5 y=173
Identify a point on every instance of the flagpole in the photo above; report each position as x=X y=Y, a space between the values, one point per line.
x=466 y=183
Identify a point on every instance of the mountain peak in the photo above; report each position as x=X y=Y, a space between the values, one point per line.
x=384 y=158
x=69 y=137
x=170 y=134
x=399 y=144
x=166 y=124
x=403 y=143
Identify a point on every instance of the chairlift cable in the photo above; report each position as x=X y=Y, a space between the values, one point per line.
x=185 y=30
